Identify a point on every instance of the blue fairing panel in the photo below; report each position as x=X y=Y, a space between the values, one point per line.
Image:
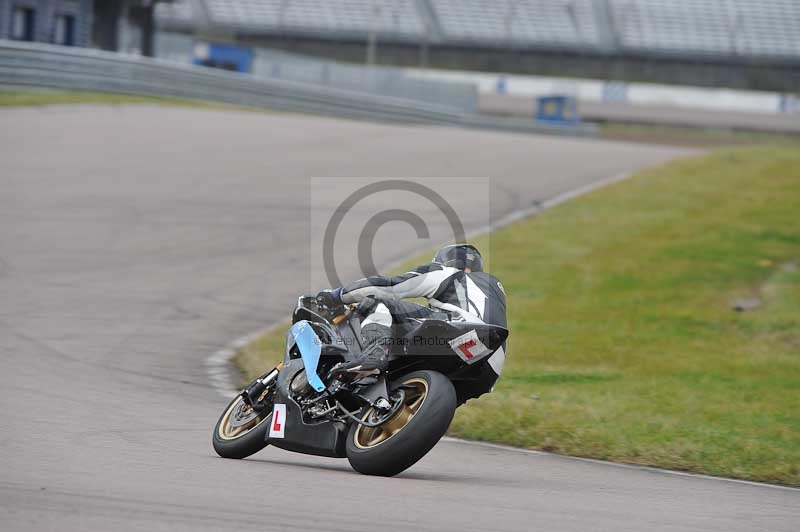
x=310 y=349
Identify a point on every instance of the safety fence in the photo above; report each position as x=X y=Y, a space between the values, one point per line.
x=41 y=65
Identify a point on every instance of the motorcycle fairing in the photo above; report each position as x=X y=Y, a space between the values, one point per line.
x=321 y=439
x=430 y=344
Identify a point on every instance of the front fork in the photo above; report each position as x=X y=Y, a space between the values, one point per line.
x=253 y=393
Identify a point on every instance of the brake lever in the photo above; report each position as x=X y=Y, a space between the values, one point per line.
x=341 y=318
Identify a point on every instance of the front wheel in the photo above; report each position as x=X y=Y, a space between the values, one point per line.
x=429 y=403
x=241 y=430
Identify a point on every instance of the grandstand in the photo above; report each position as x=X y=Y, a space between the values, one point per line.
x=398 y=18
x=714 y=27
x=726 y=28
x=540 y=22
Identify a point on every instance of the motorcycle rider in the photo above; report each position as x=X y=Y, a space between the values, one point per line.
x=453 y=283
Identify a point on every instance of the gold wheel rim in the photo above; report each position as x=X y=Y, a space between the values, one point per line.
x=416 y=391
x=228 y=432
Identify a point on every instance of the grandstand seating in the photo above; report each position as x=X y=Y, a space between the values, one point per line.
x=180 y=13
x=741 y=28
x=733 y=27
x=396 y=17
x=544 y=22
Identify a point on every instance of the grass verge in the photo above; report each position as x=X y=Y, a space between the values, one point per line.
x=624 y=345
x=47 y=97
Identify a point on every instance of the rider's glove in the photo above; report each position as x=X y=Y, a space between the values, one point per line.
x=367 y=306
x=330 y=298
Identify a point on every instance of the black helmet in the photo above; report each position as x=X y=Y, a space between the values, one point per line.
x=460 y=256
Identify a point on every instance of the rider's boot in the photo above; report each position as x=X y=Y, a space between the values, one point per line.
x=375 y=354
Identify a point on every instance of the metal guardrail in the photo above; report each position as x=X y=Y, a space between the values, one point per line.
x=460 y=96
x=42 y=65
x=383 y=80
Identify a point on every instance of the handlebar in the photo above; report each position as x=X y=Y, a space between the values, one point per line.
x=341 y=318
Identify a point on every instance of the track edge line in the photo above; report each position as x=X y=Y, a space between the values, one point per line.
x=218 y=365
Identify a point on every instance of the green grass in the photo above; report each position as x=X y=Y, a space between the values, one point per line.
x=46 y=97
x=623 y=342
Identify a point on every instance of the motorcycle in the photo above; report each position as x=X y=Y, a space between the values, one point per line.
x=383 y=424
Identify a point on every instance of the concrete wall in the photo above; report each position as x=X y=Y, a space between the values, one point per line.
x=616 y=92
x=45 y=13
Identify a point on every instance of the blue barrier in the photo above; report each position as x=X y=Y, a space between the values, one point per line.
x=558 y=109
x=224 y=56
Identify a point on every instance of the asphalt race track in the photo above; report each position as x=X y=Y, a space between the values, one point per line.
x=135 y=241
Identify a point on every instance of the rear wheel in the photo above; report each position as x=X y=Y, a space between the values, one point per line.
x=241 y=429
x=428 y=404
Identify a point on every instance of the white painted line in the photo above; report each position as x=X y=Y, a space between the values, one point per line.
x=218 y=365
x=651 y=469
x=538 y=208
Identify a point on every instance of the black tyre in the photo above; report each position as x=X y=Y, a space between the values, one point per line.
x=240 y=430
x=394 y=446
